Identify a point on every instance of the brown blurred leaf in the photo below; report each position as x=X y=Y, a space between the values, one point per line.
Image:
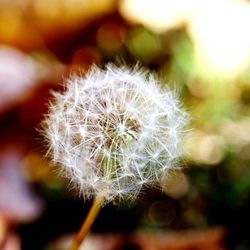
x=92 y=242
x=209 y=239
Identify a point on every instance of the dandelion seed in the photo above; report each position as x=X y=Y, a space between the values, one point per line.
x=114 y=131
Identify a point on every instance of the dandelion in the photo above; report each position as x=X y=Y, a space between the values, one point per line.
x=114 y=132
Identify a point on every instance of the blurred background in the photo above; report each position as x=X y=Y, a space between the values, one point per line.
x=199 y=48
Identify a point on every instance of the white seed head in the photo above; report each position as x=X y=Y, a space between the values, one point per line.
x=114 y=131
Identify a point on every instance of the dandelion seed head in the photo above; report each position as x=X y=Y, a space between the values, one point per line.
x=114 y=131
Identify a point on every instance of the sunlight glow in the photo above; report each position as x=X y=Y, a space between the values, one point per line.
x=218 y=29
x=158 y=15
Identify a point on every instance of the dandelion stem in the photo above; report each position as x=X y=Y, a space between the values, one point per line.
x=88 y=222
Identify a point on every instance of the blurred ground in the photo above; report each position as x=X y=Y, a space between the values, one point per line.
x=199 y=48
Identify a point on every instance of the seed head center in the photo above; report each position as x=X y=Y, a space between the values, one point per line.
x=121 y=129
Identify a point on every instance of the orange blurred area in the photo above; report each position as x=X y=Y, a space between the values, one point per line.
x=182 y=240
x=30 y=24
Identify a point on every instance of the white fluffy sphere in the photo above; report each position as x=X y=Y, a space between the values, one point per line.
x=114 y=131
